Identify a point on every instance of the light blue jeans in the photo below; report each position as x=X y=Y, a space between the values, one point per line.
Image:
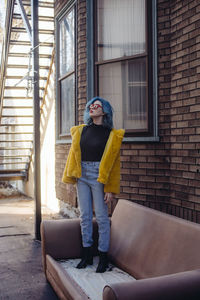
x=90 y=192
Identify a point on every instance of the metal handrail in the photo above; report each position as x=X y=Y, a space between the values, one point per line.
x=5 y=48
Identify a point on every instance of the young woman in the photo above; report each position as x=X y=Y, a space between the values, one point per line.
x=94 y=164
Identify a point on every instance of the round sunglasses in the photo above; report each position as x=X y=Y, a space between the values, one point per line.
x=95 y=106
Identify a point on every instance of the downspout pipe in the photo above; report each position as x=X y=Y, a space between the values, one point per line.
x=36 y=112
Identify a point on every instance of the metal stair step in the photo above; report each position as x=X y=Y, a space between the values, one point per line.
x=20 y=77
x=16 y=142
x=10 y=121
x=6 y=175
x=13 y=133
x=17 y=107
x=11 y=125
x=18 y=98
x=27 y=43
x=10 y=148
x=47 y=4
x=13 y=163
x=23 y=30
x=18 y=88
x=16 y=148
x=41 y=18
x=20 y=141
x=17 y=116
x=17 y=158
x=10 y=170
x=16 y=152
x=24 y=67
x=17 y=54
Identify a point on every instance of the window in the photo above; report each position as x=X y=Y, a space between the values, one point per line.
x=66 y=72
x=123 y=62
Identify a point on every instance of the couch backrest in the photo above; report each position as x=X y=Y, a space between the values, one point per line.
x=148 y=243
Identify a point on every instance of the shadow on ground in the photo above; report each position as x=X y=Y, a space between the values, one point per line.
x=21 y=274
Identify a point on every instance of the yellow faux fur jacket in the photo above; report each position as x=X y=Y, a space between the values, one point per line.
x=109 y=168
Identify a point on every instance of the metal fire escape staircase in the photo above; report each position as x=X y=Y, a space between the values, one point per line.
x=16 y=113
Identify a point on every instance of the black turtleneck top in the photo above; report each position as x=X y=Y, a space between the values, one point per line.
x=93 y=142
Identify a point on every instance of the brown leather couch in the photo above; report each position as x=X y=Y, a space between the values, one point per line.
x=161 y=251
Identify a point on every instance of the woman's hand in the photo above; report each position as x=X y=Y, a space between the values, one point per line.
x=108 y=197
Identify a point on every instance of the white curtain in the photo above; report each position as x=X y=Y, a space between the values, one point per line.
x=124 y=85
x=135 y=112
x=122 y=33
x=121 y=28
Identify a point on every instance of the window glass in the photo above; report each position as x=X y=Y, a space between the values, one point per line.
x=66 y=73
x=67 y=104
x=124 y=85
x=122 y=61
x=67 y=44
x=121 y=28
x=135 y=114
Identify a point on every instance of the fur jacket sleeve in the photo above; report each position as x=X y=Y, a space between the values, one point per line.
x=109 y=168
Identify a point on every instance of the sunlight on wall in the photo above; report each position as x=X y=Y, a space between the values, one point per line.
x=47 y=131
x=48 y=194
x=47 y=154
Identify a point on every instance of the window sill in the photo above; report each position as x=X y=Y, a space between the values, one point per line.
x=145 y=139
x=64 y=141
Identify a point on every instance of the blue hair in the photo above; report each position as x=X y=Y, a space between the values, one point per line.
x=107 y=109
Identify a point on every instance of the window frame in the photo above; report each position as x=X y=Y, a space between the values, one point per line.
x=151 y=32
x=66 y=137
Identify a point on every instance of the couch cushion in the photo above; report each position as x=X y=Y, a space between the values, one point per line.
x=64 y=286
x=147 y=243
x=85 y=281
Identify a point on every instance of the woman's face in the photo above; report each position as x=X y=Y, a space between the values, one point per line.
x=96 y=109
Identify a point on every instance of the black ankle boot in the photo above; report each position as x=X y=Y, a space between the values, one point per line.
x=103 y=262
x=87 y=258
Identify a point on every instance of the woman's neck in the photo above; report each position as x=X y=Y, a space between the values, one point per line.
x=97 y=120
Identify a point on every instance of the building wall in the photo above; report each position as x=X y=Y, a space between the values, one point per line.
x=166 y=172
x=179 y=45
x=67 y=193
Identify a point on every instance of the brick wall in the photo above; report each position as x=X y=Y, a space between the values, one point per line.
x=66 y=192
x=164 y=174
x=59 y=4
x=82 y=60
x=184 y=108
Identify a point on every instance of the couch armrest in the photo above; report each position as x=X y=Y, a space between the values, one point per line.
x=60 y=239
x=184 y=285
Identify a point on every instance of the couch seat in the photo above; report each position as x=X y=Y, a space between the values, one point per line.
x=90 y=282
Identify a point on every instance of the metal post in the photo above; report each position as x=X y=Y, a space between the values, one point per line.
x=36 y=106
